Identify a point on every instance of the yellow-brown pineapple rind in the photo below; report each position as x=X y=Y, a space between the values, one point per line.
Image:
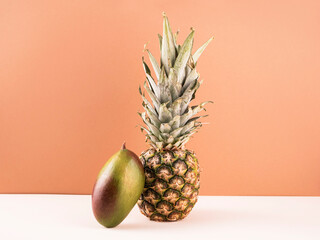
x=171 y=186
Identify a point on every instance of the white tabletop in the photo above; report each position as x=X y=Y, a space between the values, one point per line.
x=70 y=217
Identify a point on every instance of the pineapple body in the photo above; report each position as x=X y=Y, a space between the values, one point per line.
x=172 y=181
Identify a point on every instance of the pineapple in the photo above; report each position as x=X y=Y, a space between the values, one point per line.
x=172 y=176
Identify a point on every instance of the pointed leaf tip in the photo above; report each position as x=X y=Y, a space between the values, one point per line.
x=145 y=47
x=197 y=54
x=168 y=51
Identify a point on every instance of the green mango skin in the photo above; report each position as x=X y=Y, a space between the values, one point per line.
x=118 y=187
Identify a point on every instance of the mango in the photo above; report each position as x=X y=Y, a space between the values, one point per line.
x=118 y=187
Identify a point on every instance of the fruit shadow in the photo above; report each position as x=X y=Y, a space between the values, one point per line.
x=195 y=218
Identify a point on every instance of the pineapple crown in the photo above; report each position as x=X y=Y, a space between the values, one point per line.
x=170 y=121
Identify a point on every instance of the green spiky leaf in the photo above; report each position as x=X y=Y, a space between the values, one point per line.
x=169 y=120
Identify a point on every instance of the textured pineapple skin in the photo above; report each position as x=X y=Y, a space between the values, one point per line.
x=172 y=181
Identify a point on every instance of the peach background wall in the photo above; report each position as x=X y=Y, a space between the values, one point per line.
x=69 y=76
